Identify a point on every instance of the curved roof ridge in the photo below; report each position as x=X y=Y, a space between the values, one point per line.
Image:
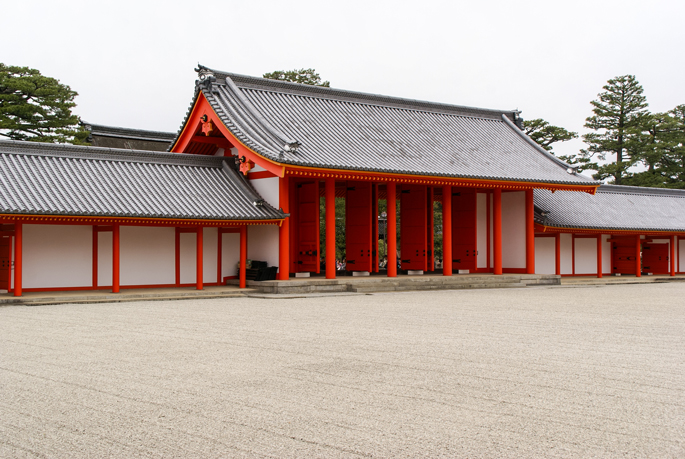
x=288 y=87
x=20 y=147
x=641 y=190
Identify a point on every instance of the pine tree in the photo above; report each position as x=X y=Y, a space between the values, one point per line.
x=37 y=108
x=619 y=121
x=302 y=76
x=545 y=134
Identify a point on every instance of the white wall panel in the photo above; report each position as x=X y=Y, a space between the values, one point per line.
x=566 y=249
x=481 y=230
x=268 y=189
x=105 y=258
x=586 y=256
x=680 y=262
x=262 y=243
x=514 y=230
x=545 y=255
x=57 y=256
x=230 y=254
x=188 y=258
x=209 y=254
x=146 y=255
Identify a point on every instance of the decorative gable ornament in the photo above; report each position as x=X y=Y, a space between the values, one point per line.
x=207 y=125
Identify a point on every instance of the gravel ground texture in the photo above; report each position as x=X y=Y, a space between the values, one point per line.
x=536 y=372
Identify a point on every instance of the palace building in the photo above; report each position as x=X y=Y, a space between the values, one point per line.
x=244 y=176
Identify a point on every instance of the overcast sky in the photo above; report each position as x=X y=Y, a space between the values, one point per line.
x=132 y=61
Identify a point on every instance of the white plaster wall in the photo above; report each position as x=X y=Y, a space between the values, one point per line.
x=57 y=256
x=230 y=254
x=268 y=189
x=606 y=254
x=586 y=256
x=105 y=258
x=514 y=230
x=545 y=250
x=187 y=252
x=146 y=255
x=566 y=252
x=680 y=255
x=481 y=230
x=209 y=254
x=262 y=243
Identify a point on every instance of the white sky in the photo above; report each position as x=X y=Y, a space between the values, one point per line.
x=132 y=61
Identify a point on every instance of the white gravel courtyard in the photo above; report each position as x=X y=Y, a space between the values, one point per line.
x=536 y=372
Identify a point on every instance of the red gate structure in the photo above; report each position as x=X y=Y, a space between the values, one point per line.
x=308 y=227
x=623 y=255
x=358 y=227
x=413 y=228
x=464 y=229
x=655 y=258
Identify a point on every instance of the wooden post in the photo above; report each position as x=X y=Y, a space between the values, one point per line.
x=599 y=256
x=284 y=231
x=177 y=244
x=497 y=229
x=95 y=257
x=447 y=230
x=330 y=228
x=557 y=254
x=242 y=283
x=391 y=223
x=488 y=230
x=18 y=239
x=673 y=239
x=115 y=258
x=638 y=261
x=198 y=259
x=530 y=233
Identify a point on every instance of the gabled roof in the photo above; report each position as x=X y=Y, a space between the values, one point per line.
x=49 y=179
x=334 y=129
x=128 y=133
x=614 y=207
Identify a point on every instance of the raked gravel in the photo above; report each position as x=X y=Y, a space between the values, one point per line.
x=525 y=373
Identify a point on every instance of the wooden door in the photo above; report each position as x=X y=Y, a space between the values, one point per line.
x=623 y=255
x=358 y=227
x=464 y=229
x=308 y=227
x=655 y=258
x=413 y=230
x=5 y=263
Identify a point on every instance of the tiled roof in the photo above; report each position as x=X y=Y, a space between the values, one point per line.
x=136 y=134
x=329 y=128
x=49 y=179
x=615 y=207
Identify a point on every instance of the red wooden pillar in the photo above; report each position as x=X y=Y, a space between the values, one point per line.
x=95 y=257
x=673 y=239
x=557 y=254
x=488 y=230
x=447 y=230
x=530 y=233
x=638 y=260
x=599 y=256
x=198 y=259
x=177 y=244
x=392 y=228
x=243 y=257
x=497 y=230
x=330 y=228
x=284 y=231
x=115 y=258
x=18 y=239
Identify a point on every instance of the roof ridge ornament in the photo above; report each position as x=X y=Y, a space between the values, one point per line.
x=206 y=76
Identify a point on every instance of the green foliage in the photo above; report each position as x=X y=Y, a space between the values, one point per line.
x=545 y=134
x=37 y=108
x=620 y=119
x=302 y=76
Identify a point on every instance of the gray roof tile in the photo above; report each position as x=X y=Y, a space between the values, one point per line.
x=49 y=179
x=615 y=208
x=356 y=131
